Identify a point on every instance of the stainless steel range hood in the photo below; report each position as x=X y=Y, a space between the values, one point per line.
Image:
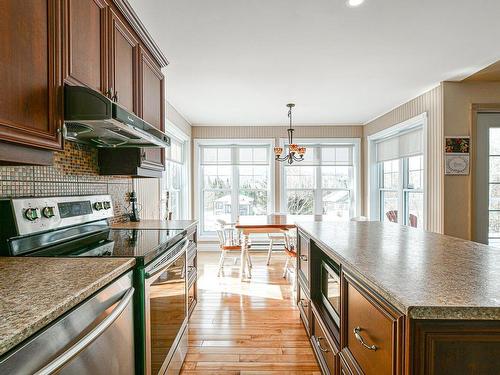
x=92 y=118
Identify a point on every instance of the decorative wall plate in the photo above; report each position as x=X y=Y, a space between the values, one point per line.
x=457 y=164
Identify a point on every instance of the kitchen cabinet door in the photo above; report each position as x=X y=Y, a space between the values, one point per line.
x=124 y=49
x=85 y=43
x=30 y=56
x=152 y=106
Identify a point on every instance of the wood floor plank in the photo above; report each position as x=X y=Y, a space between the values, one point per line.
x=247 y=328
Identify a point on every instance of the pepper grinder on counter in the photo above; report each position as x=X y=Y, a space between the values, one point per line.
x=134 y=214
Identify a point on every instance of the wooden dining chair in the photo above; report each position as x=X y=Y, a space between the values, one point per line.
x=230 y=243
x=273 y=239
x=290 y=237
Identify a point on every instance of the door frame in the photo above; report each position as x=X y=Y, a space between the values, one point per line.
x=476 y=109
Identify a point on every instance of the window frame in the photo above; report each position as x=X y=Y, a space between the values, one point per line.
x=402 y=189
x=373 y=169
x=355 y=143
x=199 y=144
x=184 y=194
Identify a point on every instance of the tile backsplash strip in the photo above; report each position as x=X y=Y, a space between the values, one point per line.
x=75 y=172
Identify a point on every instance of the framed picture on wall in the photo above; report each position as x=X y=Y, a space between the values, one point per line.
x=457 y=155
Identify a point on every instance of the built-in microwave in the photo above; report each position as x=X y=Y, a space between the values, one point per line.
x=330 y=289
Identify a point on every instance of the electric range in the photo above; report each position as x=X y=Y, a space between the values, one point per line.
x=79 y=227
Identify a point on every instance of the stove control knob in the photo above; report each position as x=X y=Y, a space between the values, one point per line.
x=98 y=206
x=106 y=205
x=48 y=212
x=32 y=214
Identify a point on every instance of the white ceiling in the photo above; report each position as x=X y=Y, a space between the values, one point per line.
x=238 y=62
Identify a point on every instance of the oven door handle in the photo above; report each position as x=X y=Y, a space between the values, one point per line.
x=89 y=338
x=163 y=264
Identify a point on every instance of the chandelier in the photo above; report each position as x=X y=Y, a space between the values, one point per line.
x=295 y=152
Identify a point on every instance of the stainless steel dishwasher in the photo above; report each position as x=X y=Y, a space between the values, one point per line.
x=96 y=337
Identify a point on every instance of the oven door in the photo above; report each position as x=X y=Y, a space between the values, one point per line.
x=330 y=290
x=166 y=311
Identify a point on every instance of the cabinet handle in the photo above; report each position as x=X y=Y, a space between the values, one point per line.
x=143 y=155
x=318 y=341
x=109 y=93
x=115 y=97
x=356 y=331
x=304 y=303
x=303 y=257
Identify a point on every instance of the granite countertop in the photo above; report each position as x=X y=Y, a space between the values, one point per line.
x=425 y=275
x=36 y=291
x=156 y=224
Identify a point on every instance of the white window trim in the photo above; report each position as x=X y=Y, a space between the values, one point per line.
x=356 y=142
x=177 y=134
x=197 y=179
x=373 y=204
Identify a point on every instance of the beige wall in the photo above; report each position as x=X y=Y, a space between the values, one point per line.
x=275 y=132
x=430 y=103
x=458 y=100
x=448 y=109
x=178 y=120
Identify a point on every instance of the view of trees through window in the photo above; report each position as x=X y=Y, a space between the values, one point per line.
x=401 y=190
x=235 y=181
x=323 y=184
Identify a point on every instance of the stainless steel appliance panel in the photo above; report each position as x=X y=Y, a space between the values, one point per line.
x=166 y=310
x=95 y=338
x=175 y=365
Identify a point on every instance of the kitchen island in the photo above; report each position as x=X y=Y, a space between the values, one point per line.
x=410 y=302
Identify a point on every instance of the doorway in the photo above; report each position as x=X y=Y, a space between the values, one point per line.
x=486 y=227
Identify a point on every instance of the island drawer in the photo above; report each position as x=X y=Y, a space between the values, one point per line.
x=304 y=255
x=372 y=330
x=304 y=304
x=325 y=348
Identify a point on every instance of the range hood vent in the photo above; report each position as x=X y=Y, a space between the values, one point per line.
x=94 y=119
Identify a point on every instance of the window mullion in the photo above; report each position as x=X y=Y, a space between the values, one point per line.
x=235 y=191
x=401 y=193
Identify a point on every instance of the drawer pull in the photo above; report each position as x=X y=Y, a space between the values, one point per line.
x=303 y=257
x=318 y=341
x=357 y=330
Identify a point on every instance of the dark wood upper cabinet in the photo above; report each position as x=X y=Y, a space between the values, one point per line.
x=30 y=50
x=124 y=49
x=151 y=103
x=86 y=43
x=100 y=44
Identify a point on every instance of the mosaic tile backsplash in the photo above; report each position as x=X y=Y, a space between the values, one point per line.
x=75 y=172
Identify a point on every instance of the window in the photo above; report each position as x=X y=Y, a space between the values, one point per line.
x=176 y=179
x=234 y=180
x=494 y=187
x=324 y=183
x=400 y=166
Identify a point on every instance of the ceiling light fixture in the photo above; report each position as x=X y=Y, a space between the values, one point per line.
x=355 y=3
x=293 y=149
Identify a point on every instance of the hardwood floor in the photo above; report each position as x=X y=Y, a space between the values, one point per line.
x=247 y=328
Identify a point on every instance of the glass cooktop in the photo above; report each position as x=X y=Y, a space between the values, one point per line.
x=142 y=244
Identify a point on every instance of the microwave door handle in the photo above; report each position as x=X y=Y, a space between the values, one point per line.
x=163 y=265
x=89 y=338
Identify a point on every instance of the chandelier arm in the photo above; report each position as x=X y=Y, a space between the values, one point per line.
x=282 y=158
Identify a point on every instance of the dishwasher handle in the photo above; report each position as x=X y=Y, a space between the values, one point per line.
x=90 y=337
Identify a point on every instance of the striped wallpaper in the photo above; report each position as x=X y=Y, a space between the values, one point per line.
x=431 y=103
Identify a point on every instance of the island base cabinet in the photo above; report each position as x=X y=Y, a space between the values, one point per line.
x=372 y=338
x=304 y=304
x=325 y=348
x=454 y=347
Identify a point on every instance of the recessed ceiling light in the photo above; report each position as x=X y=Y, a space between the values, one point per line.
x=355 y=3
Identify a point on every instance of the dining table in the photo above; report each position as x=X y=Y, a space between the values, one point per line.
x=274 y=223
